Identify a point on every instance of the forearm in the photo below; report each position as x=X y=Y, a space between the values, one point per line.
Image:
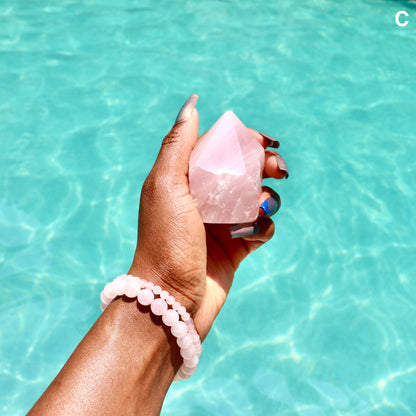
x=124 y=365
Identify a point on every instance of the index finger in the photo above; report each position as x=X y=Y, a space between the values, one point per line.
x=264 y=139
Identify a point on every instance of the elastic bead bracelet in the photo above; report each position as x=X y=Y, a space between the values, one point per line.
x=161 y=303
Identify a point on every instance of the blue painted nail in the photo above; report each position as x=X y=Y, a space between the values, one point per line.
x=270 y=206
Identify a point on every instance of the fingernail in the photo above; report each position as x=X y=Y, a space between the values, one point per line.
x=282 y=165
x=187 y=109
x=270 y=206
x=243 y=230
x=272 y=141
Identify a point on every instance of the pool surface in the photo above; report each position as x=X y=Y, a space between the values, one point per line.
x=322 y=320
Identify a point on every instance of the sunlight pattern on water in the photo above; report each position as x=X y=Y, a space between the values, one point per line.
x=321 y=321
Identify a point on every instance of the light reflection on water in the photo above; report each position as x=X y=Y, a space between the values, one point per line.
x=321 y=320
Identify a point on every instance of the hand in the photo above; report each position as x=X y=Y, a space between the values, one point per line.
x=194 y=262
x=124 y=365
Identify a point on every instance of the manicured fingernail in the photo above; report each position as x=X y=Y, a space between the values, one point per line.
x=272 y=141
x=270 y=206
x=244 y=230
x=187 y=109
x=282 y=165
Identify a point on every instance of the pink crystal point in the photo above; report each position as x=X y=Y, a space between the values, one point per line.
x=225 y=173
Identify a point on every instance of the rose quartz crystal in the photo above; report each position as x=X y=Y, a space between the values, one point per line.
x=225 y=172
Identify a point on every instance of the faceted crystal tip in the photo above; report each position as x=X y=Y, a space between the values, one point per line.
x=225 y=172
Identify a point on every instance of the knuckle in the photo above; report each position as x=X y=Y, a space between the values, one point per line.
x=151 y=185
x=157 y=184
x=173 y=137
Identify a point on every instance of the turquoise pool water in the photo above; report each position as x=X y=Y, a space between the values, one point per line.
x=322 y=320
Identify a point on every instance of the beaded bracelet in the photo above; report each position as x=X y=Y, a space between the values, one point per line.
x=162 y=304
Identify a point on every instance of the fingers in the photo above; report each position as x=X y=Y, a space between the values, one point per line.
x=275 y=166
x=264 y=139
x=265 y=231
x=270 y=203
x=177 y=146
x=262 y=230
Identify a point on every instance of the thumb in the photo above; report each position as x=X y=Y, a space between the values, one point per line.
x=174 y=154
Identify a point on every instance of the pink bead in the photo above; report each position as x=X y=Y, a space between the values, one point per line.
x=132 y=289
x=158 y=307
x=181 y=374
x=191 y=362
x=108 y=291
x=145 y=297
x=104 y=298
x=185 y=316
x=150 y=285
x=170 y=317
x=185 y=341
x=188 y=370
x=179 y=329
x=176 y=317
x=188 y=352
x=119 y=286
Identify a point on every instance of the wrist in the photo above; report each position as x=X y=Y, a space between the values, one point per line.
x=146 y=331
x=162 y=304
x=146 y=348
x=187 y=297
x=124 y=365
